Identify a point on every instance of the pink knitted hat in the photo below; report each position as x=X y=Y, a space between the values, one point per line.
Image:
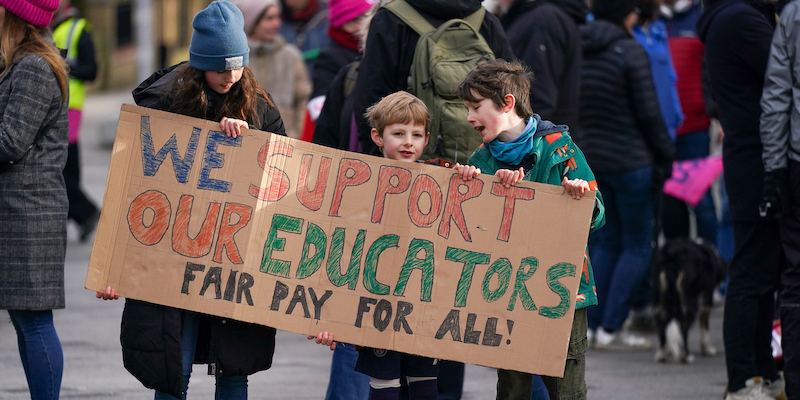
x=342 y=11
x=36 y=12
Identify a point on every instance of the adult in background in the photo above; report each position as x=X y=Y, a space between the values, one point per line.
x=651 y=33
x=346 y=21
x=34 y=131
x=390 y=48
x=780 y=134
x=729 y=29
x=72 y=33
x=693 y=140
x=305 y=25
x=544 y=35
x=346 y=17
x=625 y=140
x=277 y=65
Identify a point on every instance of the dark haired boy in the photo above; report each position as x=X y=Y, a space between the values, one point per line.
x=518 y=145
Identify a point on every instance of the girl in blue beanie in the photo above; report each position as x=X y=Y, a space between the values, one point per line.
x=160 y=344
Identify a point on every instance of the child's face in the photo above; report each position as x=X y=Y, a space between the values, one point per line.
x=222 y=81
x=488 y=119
x=403 y=142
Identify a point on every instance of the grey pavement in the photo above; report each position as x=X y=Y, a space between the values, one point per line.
x=89 y=331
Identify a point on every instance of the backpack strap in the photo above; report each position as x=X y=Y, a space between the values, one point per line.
x=410 y=16
x=351 y=78
x=476 y=19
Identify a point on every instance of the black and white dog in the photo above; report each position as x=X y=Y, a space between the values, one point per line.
x=685 y=274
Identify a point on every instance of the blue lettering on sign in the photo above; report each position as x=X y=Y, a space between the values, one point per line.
x=212 y=160
x=151 y=162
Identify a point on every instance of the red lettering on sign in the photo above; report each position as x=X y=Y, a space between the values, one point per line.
x=511 y=194
x=452 y=207
x=425 y=184
x=227 y=230
x=385 y=186
x=278 y=180
x=312 y=199
x=200 y=245
x=351 y=173
x=150 y=234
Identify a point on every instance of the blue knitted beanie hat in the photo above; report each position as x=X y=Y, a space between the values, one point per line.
x=218 y=41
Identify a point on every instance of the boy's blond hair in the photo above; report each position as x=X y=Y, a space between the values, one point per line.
x=494 y=80
x=398 y=108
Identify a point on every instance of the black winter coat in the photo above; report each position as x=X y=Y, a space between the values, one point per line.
x=331 y=59
x=334 y=124
x=620 y=119
x=151 y=334
x=390 y=50
x=544 y=35
x=737 y=36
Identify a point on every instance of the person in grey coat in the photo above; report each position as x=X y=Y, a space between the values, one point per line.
x=780 y=137
x=34 y=131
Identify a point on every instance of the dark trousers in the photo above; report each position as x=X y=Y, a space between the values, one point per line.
x=750 y=302
x=80 y=207
x=515 y=385
x=790 y=282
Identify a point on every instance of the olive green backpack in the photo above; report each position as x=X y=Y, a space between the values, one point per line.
x=442 y=59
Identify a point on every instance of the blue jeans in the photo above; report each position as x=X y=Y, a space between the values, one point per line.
x=620 y=251
x=345 y=382
x=539 y=391
x=40 y=351
x=228 y=387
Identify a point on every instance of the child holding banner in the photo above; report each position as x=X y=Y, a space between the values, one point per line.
x=159 y=343
x=518 y=145
x=400 y=125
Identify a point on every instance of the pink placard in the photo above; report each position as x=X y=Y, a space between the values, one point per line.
x=691 y=178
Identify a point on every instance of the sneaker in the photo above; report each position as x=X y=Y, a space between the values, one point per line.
x=753 y=390
x=590 y=337
x=775 y=389
x=620 y=341
x=88 y=226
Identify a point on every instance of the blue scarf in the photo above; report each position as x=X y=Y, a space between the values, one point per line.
x=513 y=152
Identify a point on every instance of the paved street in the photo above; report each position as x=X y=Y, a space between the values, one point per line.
x=89 y=331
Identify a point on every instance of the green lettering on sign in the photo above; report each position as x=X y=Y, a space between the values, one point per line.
x=470 y=259
x=555 y=273
x=273 y=242
x=424 y=264
x=335 y=259
x=371 y=264
x=519 y=284
x=315 y=236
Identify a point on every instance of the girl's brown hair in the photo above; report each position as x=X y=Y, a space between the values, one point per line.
x=241 y=102
x=19 y=39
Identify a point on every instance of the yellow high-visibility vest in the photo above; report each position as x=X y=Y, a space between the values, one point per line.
x=66 y=36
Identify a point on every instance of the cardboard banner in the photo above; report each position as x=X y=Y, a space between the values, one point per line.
x=691 y=179
x=304 y=238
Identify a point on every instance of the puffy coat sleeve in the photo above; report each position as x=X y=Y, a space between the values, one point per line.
x=271 y=118
x=776 y=99
x=644 y=102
